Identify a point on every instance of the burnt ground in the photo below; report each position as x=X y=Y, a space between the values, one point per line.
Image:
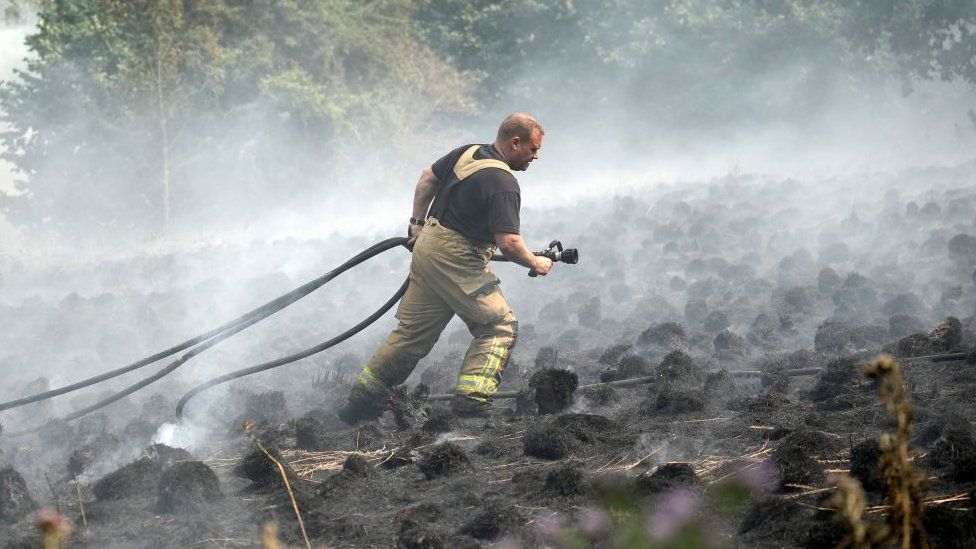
x=491 y=479
x=716 y=281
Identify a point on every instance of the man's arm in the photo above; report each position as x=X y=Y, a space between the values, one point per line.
x=422 y=197
x=513 y=248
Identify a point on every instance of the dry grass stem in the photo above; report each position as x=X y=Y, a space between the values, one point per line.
x=249 y=428
x=306 y=463
x=81 y=505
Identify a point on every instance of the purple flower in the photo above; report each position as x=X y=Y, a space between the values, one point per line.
x=673 y=512
x=549 y=526
x=759 y=479
x=593 y=521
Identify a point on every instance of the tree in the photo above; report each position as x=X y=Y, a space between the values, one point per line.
x=132 y=112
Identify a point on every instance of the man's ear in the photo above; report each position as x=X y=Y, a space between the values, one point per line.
x=515 y=142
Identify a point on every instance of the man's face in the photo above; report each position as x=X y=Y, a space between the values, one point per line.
x=524 y=151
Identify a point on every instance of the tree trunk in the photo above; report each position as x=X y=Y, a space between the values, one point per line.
x=164 y=139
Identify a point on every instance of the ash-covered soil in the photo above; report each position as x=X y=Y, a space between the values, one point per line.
x=690 y=284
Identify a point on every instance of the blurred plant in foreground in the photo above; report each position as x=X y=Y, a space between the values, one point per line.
x=683 y=518
x=904 y=481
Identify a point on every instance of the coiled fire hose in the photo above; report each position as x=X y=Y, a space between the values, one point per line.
x=207 y=340
x=211 y=338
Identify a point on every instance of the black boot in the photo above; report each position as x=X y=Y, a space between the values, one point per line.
x=363 y=405
x=465 y=406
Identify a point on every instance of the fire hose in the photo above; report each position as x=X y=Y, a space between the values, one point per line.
x=196 y=345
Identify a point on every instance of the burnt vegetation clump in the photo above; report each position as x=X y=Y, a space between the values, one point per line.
x=554 y=389
x=187 y=486
x=444 y=459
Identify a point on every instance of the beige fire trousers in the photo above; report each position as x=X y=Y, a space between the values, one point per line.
x=448 y=275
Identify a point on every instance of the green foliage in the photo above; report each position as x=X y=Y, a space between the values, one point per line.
x=124 y=99
x=930 y=38
x=132 y=109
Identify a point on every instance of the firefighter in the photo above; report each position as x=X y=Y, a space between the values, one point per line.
x=466 y=204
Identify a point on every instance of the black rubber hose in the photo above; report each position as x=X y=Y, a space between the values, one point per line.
x=295 y=356
x=258 y=313
x=229 y=329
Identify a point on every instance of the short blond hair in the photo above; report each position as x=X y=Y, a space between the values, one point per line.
x=518 y=125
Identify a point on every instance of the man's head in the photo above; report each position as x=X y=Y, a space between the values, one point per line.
x=519 y=140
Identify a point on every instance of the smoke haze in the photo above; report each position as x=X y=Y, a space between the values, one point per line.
x=756 y=213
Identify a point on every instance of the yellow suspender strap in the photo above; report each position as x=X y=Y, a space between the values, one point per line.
x=467 y=165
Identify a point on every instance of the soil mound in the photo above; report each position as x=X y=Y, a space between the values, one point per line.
x=763 y=331
x=267 y=408
x=901 y=325
x=256 y=467
x=601 y=395
x=948 y=528
x=493 y=448
x=947 y=335
x=356 y=466
x=136 y=478
x=413 y=535
x=764 y=403
x=15 y=499
x=524 y=405
x=546 y=357
x=544 y=441
x=914 y=345
x=187 y=486
x=797 y=468
x=440 y=421
x=167 y=455
x=310 y=435
x=673 y=401
x=369 y=436
x=629 y=366
x=566 y=480
x=443 y=459
x=141 y=476
x=864 y=465
x=400 y=457
x=553 y=439
x=838 y=372
x=811 y=442
x=80 y=459
x=716 y=321
x=955 y=454
x=496 y=518
x=719 y=386
x=773 y=517
x=952 y=447
x=611 y=356
x=679 y=371
x=729 y=345
x=843 y=338
x=664 y=337
x=666 y=478
x=553 y=389
x=591 y=429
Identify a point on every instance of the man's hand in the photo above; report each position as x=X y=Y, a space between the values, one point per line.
x=513 y=248
x=542 y=265
x=413 y=231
